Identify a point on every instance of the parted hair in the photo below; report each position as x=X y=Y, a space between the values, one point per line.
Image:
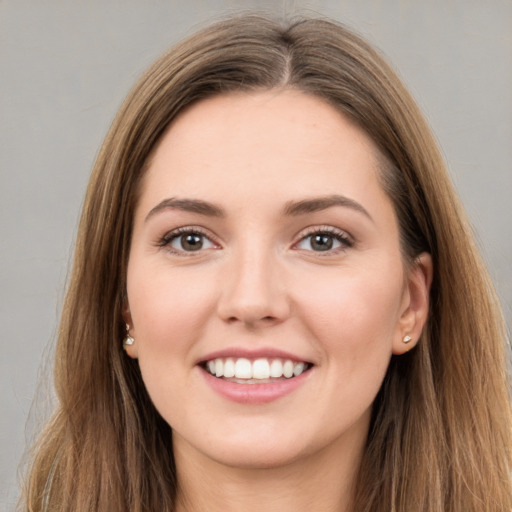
x=439 y=439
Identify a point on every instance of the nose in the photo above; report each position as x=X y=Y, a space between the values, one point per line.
x=253 y=291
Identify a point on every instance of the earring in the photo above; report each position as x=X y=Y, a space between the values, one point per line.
x=128 y=341
x=406 y=339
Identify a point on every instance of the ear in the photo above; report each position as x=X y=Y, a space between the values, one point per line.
x=131 y=350
x=415 y=303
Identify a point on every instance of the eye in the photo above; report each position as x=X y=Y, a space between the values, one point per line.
x=324 y=240
x=187 y=240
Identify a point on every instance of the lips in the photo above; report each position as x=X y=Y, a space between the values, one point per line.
x=245 y=370
x=254 y=376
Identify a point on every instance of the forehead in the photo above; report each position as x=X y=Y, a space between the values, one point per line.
x=273 y=144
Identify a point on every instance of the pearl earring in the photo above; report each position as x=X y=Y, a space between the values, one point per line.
x=128 y=341
x=406 y=339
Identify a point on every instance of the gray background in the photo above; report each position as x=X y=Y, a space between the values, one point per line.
x=64 y=69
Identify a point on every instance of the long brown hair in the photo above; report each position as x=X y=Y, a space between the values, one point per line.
x=440 y=433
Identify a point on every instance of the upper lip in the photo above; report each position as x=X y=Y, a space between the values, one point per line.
x=252 y=353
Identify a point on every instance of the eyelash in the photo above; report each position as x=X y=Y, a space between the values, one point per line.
x=338 y=235
x=168 y=238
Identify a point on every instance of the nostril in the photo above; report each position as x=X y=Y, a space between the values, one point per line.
x=252 y=320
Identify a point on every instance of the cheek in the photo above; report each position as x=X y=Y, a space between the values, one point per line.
x=168 y=308
x=354 y=324
x=354 y=315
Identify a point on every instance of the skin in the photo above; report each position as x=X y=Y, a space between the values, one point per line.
x=259 y=282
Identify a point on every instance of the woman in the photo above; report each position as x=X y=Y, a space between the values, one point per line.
x=271 y=236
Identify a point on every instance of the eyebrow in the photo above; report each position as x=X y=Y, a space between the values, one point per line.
x=317 y=204
x=187 y=205
x=292 y=208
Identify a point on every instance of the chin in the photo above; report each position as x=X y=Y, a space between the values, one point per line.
x=256 y=448
x=256 y=458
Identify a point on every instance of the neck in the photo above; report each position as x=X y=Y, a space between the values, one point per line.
x=317 y=482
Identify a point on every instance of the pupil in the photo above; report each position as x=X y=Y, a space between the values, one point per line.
x=322 y=242
x=191 y=242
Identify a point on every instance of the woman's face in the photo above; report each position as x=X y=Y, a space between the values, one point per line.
x=263 y=247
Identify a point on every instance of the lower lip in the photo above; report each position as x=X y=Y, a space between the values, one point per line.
x=254 y=393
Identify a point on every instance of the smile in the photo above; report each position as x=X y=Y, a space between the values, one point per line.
x=257 y=371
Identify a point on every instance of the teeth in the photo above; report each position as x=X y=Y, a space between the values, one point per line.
x=276 y=368
x=219 y=368
x=298 y=369
x=288 y=369
x=229 y=368
x=259 y=369
x=243 y=369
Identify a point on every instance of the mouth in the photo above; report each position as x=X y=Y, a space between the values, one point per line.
x=255 y=371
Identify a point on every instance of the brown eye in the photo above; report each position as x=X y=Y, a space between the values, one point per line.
x=191 y=242
x=321 y=242
x=188 y=241
x=324 y=241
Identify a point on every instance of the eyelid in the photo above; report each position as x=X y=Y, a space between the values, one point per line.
x=346 y=240
x=169 y=236
x=340 y=234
